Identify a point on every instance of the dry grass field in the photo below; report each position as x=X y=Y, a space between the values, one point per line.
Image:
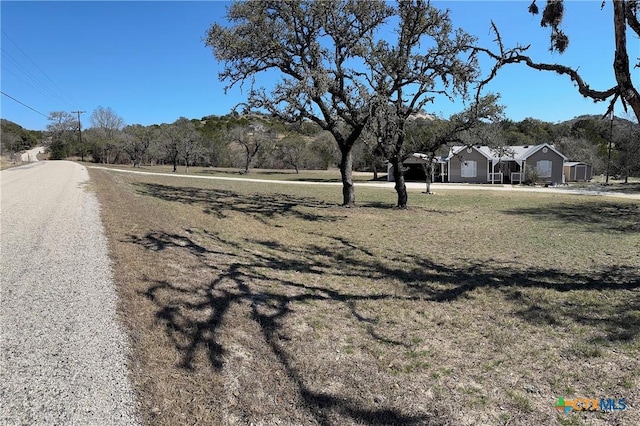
x=259 y=303
x=7 y=162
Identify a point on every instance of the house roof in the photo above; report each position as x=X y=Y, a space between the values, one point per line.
x=574 y=163
x=419 y=158
x=455 y=150
x=518 y=153
x=532 y=150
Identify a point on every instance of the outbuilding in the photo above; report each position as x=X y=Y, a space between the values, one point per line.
x=577 y=171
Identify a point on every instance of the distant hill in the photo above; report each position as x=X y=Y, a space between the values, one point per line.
x=16 y=138
x=618 y=121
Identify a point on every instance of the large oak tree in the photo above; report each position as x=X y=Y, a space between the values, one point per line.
x=338 y=70
x=427 y=58
x=317 y=49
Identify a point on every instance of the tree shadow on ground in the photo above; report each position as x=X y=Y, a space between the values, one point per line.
x=220 y=202
x=618 y=187
x=180 y=310
x=626 y=188
x=192 y=316
x=595 y=216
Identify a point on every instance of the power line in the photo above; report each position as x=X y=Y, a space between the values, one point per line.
x=61 y=92
x=37 y=85
x=22 y=103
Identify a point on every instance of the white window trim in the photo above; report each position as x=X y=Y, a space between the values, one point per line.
x=544 y=172
x=469 y=169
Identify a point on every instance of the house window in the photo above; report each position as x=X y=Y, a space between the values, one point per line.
x=469 y=169
x=543 y=168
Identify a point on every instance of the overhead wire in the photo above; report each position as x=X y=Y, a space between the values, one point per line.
x=62 y=92
x=31 y=80
x=22 y=103
x=42 y=87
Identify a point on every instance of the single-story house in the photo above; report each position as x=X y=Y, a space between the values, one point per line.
x=483 y=164
x=509 y=164
x=577 y=171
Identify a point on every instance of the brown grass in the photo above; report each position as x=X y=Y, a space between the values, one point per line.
x=268 y=304
x=330 y=175
x=6 y=162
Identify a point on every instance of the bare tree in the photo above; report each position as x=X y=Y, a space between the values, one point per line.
x=170 y=143
x=252 y=138
x=137 y=141
x=290 y=150
x=188 y=141
x=108 y=125
x=107 y=120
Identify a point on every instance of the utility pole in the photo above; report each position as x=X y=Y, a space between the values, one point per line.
x=80 y=133
x=610 y=143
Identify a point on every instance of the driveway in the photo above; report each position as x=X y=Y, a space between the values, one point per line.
x=31 y=155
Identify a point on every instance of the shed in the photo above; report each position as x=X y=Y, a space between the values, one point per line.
x=577 y=171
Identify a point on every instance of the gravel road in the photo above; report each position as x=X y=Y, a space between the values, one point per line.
x=32 y=154
x=62 y=353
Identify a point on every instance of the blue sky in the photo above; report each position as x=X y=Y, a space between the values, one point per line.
x=147 y=61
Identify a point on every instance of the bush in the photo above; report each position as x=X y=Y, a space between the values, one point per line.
x=530 y=176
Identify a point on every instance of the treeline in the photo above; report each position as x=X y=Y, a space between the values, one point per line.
x=16 y=139
x=258 y=141
x=233 y=140
x=584 y=138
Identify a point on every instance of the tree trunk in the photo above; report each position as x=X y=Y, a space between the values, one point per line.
x=428 y=172
x=621 y=65
x=247 y=160
x=398 y=177
x=346 y=166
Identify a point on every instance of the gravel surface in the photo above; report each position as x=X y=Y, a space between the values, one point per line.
x=62 y=353
x=32 y=154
